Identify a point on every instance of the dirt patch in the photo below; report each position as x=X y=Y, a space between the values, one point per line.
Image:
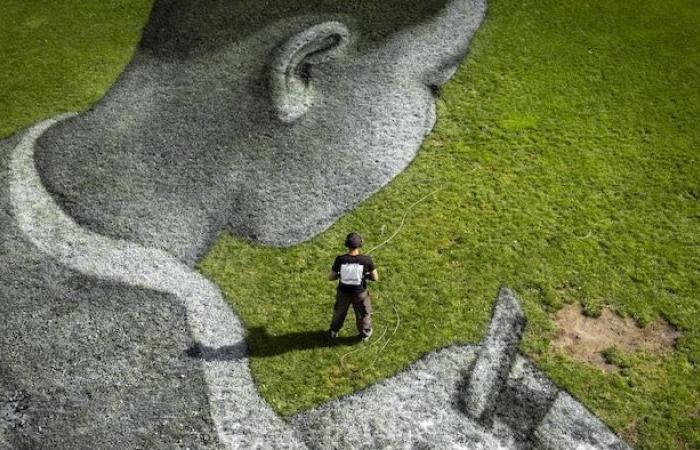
x=585 y=337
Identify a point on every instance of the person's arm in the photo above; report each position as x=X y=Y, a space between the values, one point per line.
x=335 y=270
x=371 y=273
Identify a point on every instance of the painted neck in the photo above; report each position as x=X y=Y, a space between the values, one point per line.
x=126 y=169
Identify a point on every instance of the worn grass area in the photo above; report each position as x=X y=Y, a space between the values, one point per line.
x=567 y=156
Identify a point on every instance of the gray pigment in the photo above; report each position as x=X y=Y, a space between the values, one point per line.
x=109 y=339
x=94 y=363
x=496 y=356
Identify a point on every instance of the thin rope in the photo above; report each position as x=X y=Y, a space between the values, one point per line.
x=342 y=358
x=396 y=327
x=403 y=219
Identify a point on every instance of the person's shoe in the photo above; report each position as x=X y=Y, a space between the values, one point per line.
x=366 y=334
x=334 y=334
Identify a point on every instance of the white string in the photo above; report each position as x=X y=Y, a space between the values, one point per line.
x=398 y=322
x=342 y=358
x=403 y=219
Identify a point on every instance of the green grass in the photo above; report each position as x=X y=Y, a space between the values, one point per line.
x=62 y=56
x=567 y=153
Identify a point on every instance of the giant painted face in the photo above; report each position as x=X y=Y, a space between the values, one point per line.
x=341 y=124
x=272 y=119
x=308 y=115
x=337 y=123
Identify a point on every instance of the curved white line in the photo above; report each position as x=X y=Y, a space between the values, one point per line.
x=242 y=418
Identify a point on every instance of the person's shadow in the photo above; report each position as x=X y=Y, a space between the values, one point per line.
x=259 y=343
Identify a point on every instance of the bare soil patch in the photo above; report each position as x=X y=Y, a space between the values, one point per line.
x=585 y=338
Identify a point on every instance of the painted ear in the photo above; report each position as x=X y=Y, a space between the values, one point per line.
x=290 y=72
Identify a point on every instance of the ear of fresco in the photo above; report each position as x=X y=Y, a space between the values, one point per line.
x=566 y=150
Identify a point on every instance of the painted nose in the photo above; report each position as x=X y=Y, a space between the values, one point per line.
x=433 y=49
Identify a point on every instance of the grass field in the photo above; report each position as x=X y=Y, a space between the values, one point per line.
x=564 y=164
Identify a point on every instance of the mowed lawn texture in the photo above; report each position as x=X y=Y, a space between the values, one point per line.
x=564 y=165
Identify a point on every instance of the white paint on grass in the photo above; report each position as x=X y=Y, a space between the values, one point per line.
x=416 y=408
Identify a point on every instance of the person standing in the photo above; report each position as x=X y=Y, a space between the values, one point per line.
x=353 y=270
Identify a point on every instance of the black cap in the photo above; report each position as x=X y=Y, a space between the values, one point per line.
x=353 y=240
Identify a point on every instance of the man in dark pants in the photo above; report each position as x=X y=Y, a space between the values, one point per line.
x=353 y=270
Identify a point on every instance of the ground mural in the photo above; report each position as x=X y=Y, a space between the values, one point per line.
x=116 y=342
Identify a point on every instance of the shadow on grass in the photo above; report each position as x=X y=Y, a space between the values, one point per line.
x=261 y=344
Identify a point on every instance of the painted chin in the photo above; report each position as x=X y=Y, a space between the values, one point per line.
x=314 y=224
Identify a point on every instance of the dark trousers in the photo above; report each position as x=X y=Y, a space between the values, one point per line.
x=362 y=306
